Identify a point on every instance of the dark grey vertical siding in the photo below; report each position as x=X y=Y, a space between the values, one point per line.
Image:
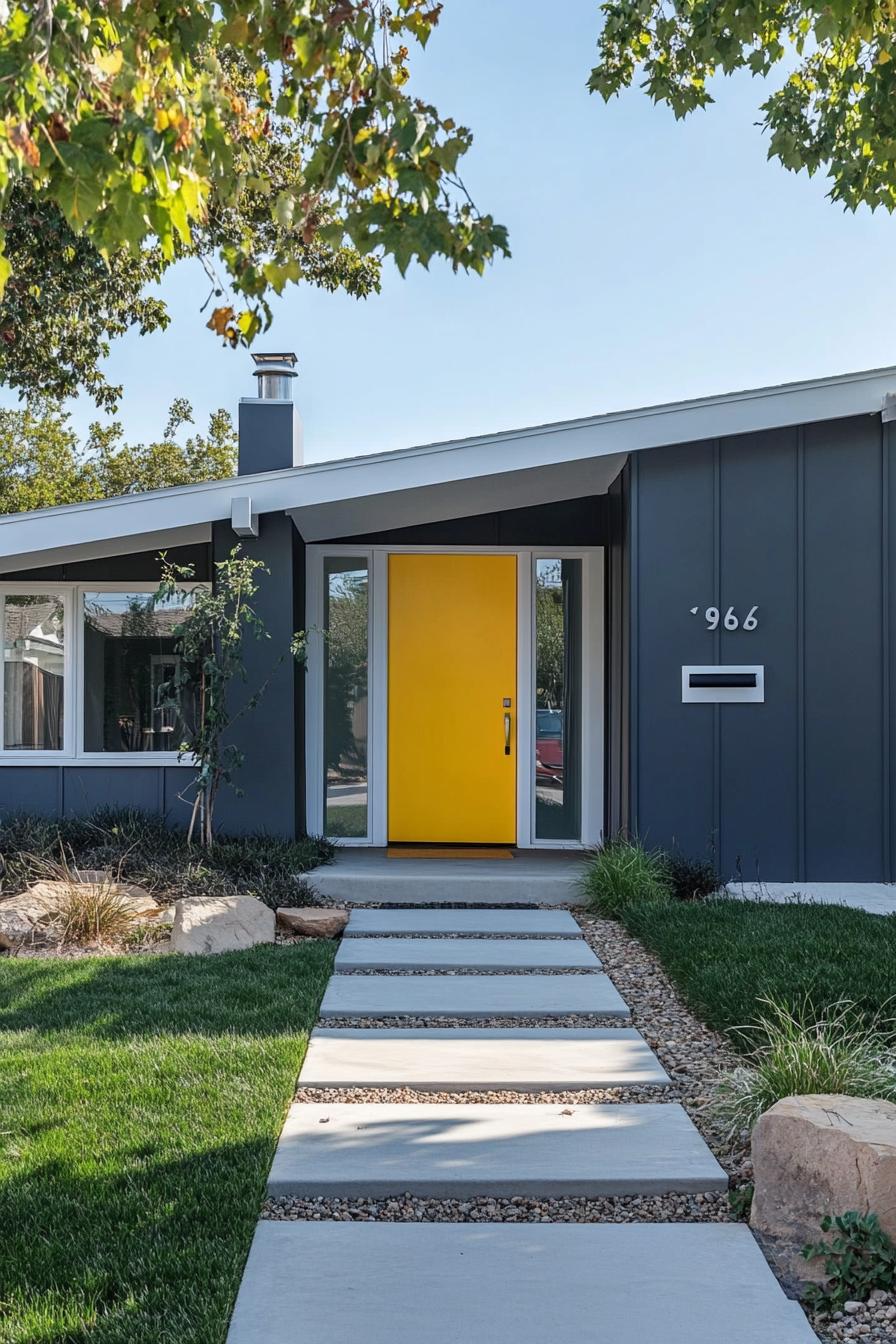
x=74 y=790
x=268 y=734
x=797 y=522
x=675 y=571
x=843 y=658
x=756 y=539
x=617 y=646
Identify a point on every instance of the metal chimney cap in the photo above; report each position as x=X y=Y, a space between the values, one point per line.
x=274 y=372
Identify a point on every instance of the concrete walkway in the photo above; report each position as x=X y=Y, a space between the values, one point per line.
x=361 y=1282
x=877 y=898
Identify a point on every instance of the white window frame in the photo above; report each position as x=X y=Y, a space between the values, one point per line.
x=592 y=681
x=73 y=753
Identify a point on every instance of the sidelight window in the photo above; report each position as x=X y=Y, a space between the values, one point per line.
x=346 y=626
x=558 y=699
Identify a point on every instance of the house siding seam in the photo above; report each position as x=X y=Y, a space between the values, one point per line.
x=796 y=521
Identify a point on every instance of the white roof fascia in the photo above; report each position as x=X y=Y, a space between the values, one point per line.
x=325 y=483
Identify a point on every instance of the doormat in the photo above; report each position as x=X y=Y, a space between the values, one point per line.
x=452 y=852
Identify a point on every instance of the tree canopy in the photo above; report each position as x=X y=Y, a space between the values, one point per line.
x=228 y=129
x=835 y=109
x=42 y=462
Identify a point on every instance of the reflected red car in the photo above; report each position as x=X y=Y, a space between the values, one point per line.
x=549 y=746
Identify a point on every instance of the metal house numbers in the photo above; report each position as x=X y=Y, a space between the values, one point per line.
x=730 y=620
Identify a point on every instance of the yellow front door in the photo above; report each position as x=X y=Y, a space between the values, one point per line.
x=452 y=698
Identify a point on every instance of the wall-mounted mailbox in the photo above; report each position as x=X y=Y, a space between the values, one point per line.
x=723 y=685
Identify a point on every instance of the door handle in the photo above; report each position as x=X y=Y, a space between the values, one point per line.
x=506 y=734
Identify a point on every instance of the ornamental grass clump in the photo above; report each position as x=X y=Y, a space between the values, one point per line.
x=87 y=911
x=94 y=913
x=800 y=1055
x=621 y=873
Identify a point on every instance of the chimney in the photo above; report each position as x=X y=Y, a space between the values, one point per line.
x=270 y=429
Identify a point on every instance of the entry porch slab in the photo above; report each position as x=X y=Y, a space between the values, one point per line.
x=469 y=923
x=441 y=1283
x=536 y=877
x=472 y=996
x=451 y=1150
x=472 y=954
x=518 y=1059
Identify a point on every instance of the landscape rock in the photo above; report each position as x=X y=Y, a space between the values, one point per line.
x=312 y=923
x=205 y=924
x=819 y=1155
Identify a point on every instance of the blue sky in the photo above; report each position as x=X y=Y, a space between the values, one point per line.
x=652 y=260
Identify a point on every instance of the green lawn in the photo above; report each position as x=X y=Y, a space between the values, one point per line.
x=724 y=956
x=140 y=1101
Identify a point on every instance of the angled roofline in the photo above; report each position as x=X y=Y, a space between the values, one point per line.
x=297 y=489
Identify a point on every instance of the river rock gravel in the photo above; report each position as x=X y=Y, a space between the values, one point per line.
x=709 y=1208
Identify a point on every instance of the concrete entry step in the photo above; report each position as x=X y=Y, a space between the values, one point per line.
x=452 y=1150
x=457 y=1059
x=539 y=877
x=472 y=996
x=473 y=954
x=449 y=1283
x=470 y=923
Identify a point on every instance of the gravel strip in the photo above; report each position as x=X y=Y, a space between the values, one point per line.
x=873 y=1321
x=572 y=1020
x=334 y=1096
x=493 y=937
x=469 y=970
x=710 y=1208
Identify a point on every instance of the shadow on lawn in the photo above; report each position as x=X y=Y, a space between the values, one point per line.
x=153 y=1255
x=266 y=991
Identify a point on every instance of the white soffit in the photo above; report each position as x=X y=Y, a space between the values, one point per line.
x=440 y=480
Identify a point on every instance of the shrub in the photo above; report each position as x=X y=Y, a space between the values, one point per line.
x=621 y=873
x=836 y=1053
x=143 y=849
x=859 y=1258
x=691 y=879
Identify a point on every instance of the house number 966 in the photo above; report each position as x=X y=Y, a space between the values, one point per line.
x=730 y=620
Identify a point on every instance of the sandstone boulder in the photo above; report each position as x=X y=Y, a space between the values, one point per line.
x=312 y=923
x=52 y=895
x=820 y=1155
x=220 y=924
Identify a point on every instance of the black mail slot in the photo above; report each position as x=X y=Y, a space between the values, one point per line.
x=698 y=680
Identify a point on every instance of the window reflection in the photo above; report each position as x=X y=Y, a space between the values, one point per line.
x=129 y=657
x=33 y=678
x=558 y=587
x=345 y=712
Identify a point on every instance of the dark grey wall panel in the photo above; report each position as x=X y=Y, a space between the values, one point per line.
x=758 y=805
x=675 y=564
x=88 y=787
x=617 y=646
x=268 y=734
x=74 y=790
x=31 y=789
x=843 y=650
x=798 y=523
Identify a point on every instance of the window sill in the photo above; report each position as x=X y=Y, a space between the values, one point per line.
x=111 y=758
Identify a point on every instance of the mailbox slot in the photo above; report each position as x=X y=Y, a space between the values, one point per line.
x=723 y=685
x=701 y=679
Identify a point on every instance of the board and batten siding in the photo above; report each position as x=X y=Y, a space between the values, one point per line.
x=799 y=523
